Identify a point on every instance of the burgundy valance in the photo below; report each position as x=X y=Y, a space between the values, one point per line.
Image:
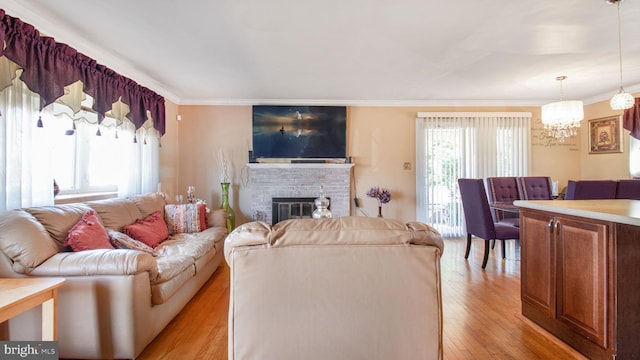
x=49 y=66
x=631 y=119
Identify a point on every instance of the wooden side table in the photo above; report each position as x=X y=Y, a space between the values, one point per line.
x=18 y=295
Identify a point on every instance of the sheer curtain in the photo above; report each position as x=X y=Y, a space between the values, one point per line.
x=26 y=177
x=464 y=145
x=28 y=152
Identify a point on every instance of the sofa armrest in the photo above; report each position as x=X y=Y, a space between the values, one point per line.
x=248 y=234
x=218 y=218
x=97 y=262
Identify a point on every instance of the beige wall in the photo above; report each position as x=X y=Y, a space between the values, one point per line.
x=603 y=166
x=169 y=152
x=380 y=140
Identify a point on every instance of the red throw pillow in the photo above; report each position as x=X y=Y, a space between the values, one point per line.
x=88 y=234
x=151 y=230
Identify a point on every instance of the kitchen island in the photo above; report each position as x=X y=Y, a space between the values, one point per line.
x=581 y=274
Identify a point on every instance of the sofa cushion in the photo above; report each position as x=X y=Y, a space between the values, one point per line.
x=24 y=240
x=151 y=230
x=116 y=213
x=194 y=245
x=124 y=241
x=185 y=218
x=88 y=234
x=173 y=273
x=149 y=203
x=59 y=219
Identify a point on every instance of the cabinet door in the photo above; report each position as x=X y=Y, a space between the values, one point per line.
x=581 y=250
x=537 y=262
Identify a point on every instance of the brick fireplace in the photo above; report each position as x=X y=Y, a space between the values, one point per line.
x=285 y=180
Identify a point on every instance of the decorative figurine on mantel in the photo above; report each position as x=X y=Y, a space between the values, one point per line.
x=322 y=206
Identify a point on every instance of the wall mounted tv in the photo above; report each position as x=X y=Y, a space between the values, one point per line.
x=299 y=131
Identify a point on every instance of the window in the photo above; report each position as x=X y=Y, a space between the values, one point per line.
x=458 y=145
x=82 y=161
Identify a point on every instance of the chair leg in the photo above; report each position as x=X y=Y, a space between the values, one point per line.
x=466 y=253
x=486 y=253
x=503 y=251
x=493 y=244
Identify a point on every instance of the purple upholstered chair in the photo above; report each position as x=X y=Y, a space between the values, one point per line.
x=628 y=189
x=479 y=220
x=534 y=188
x=503 y=189
x=591 y=189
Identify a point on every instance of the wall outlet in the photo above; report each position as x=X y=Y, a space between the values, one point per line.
x=406 y=166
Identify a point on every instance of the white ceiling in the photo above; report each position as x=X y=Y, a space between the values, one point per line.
x=348 y=52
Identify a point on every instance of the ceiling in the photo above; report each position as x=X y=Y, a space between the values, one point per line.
x=348 y=52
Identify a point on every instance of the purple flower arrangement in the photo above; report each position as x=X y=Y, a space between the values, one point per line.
x=383 y=195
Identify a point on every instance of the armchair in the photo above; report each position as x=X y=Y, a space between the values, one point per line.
x=340 y=288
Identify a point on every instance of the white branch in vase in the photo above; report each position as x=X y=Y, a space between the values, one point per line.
x=224 y=166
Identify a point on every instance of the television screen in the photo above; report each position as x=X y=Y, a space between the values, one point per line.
x=299 y=131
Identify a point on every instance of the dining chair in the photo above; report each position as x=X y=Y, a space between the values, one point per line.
x=503 y=189
x=478 y=218
x=535 y=188
x=628 y=189
x=591 y=189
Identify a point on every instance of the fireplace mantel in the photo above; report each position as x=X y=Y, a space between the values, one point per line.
x=283 y=165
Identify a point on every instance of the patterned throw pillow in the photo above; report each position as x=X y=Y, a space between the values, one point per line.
x=88 y=234
x=151 y=230
x=123 y=241
x=185 y=218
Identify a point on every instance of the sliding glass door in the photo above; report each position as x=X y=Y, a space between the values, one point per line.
x=464 y=145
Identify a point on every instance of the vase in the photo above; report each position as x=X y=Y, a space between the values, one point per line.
x=231 y=216
x=380 y=211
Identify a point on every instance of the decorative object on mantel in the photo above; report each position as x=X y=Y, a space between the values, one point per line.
x=622 y=100
x=322 y=206
x=561 y=119
x=382 y=195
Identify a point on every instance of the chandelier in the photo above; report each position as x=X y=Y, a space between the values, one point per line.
x=622 y=100
x=561 y=119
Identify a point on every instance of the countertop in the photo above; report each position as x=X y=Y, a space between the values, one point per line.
x=618 y=211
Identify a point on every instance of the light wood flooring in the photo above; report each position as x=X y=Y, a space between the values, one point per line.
x=481 y=311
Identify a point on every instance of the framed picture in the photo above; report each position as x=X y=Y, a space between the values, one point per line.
x=605 y=135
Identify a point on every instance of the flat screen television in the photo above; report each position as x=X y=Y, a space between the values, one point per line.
x=299 y=131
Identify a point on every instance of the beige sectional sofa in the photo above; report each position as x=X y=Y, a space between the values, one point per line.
x=342 y=288
x=114 y=301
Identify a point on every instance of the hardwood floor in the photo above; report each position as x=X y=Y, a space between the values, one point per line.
x=481 y=311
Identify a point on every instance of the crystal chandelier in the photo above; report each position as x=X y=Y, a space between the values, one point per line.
x=561 y=119
x=622 y=100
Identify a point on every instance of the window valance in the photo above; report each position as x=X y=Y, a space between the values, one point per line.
x=49 y=66
x=631 y=119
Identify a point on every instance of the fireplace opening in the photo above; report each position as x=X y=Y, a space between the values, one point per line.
x=292 y=208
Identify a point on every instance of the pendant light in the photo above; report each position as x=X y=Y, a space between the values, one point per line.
x=561 y=119
x=622 y=100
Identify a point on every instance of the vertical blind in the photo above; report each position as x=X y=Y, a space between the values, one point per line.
x=450 y=146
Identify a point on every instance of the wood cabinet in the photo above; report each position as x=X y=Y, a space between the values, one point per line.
x=575 y=273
